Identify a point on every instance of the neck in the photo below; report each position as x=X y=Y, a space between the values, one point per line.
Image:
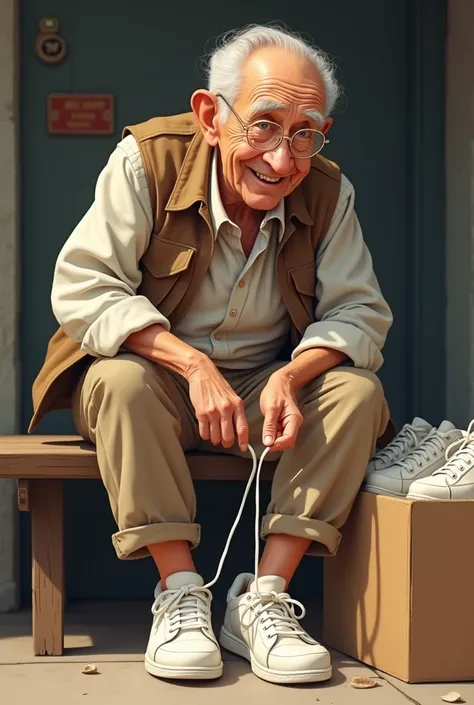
x=247 y=219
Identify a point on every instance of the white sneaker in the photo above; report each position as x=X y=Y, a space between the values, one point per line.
x=455 y=479
x=182 y=643
x=262 y=626
x=405 y=441
x=428 y=456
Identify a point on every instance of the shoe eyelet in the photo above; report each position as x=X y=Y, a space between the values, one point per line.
x=262 y=620
x=249 y=596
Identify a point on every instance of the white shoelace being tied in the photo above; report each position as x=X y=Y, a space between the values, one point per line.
x=459 y=455
x=281 y=616
x=406 y=439
x=429 y=447
x=187 y=606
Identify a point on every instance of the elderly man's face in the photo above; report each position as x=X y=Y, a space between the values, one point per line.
x=271 y=75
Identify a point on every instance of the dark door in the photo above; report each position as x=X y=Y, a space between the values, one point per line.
x=147 y=54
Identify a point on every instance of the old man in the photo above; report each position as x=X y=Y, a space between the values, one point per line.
x=218 y=295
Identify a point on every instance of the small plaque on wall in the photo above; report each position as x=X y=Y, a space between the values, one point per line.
x=80 y=114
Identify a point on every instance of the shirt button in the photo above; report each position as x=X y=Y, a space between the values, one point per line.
x=242 y=283
x=233 y=313
x=217 y=336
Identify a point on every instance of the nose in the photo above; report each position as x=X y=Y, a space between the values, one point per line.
x=280 y=159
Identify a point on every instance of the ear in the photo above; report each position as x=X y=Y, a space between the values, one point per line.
x=327 y=126
x=205 y=108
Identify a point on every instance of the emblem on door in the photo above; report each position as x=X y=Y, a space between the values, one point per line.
x=50 y=46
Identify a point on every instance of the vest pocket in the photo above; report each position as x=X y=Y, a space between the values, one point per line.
x=162 y=267
x=164 y=258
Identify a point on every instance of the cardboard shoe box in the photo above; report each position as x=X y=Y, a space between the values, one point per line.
x=399 y=595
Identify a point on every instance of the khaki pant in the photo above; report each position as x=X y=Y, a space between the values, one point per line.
x=141 y=420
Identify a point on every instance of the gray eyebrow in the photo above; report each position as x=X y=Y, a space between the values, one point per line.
x=316 y=116
x=266 y=105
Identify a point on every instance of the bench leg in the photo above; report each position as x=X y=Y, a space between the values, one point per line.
x=46 y=507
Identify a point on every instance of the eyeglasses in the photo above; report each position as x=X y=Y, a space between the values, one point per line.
x=266 y=136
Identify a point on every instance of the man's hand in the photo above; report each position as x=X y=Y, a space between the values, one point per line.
x=219 y=411
x=282 y=418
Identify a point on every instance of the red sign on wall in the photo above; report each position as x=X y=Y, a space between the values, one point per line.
x=80 y=114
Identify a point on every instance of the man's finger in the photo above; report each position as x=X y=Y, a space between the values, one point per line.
x=270 y=426
x=242 y=429
x=289 y=434
x=215 y=431
x=227 y=431
x=204 y=431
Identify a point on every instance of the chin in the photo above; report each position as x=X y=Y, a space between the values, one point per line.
x=260 y=201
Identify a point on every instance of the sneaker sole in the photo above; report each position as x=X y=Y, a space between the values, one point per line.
x=236 y=646
x=180 y=673
x=380 y=490
x=428 y=499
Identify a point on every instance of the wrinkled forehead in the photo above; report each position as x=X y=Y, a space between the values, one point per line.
x=279 y=77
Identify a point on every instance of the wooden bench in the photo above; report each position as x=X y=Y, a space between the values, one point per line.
x=40 y=464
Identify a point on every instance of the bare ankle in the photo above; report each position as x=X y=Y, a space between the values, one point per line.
x=172 y=557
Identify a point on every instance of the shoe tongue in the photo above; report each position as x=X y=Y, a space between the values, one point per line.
x=268 y=583
x=421 y=423
x=182 y=579
x=445 y=427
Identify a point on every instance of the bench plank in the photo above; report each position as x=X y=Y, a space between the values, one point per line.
x=70 y=458
x=46 y=505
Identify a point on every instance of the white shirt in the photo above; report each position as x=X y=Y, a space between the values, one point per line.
x=238 y=317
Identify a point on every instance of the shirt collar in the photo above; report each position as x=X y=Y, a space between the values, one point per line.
x=219 y=215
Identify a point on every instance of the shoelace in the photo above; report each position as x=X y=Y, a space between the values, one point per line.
x=188 y=606
x=278 y=611
x=405 y=440
x=429 y=446
x=278 y=608
x=458 y=452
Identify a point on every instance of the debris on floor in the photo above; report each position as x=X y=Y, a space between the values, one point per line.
x=90 y=669
x=364 y=682
x=452 y=698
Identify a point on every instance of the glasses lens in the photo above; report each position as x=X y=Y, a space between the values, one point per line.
x=307 y=143
x=264 y=135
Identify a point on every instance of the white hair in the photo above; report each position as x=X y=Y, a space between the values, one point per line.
x=234 y=48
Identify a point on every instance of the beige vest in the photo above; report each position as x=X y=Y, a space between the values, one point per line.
x=177 y=164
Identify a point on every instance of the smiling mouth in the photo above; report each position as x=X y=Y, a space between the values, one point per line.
x=266 y=179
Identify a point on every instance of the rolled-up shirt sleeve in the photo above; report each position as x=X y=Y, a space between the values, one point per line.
x=97 y=272
x=351 y=314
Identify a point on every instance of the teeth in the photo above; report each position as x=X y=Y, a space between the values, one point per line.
x=267 y=178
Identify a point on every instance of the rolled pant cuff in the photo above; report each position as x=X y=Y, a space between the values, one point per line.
x=324 y=537
x=132 y=543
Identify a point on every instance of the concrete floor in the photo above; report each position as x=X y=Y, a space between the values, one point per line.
x=113 y=636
